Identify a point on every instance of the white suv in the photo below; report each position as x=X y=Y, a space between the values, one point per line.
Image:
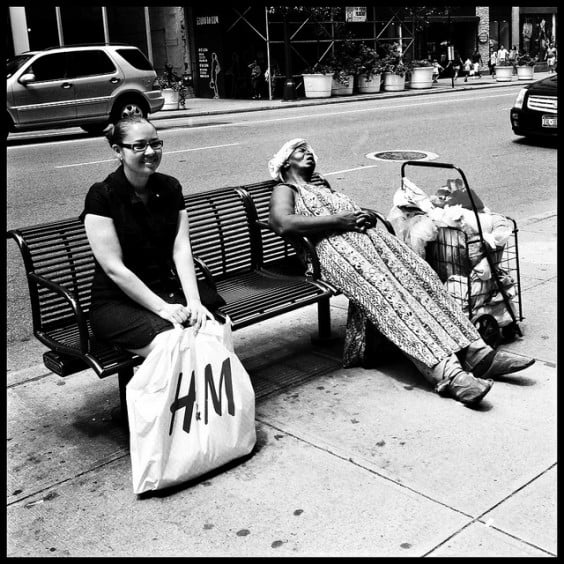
x=86 y=86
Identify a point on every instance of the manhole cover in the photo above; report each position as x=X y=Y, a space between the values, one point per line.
x=401 y=155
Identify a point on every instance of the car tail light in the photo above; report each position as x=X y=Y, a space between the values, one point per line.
x=156 y=84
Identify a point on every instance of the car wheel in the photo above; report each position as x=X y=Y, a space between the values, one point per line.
x=128 y=108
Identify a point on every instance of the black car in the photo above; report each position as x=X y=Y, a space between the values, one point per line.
x=535 y=111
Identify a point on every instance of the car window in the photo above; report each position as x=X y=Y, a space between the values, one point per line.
x=88 y=63
x=49 y=67
x=16 y=63
x=135 y=58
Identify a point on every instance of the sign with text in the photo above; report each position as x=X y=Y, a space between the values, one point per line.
x=355 y=14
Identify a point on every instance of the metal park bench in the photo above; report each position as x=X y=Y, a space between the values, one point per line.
x=256 y=273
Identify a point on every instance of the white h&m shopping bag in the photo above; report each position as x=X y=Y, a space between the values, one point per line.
x=191 y=408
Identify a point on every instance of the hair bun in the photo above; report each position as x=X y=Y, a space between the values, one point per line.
x=109 y=130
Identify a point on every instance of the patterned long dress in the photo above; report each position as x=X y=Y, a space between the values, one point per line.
x=387 y=283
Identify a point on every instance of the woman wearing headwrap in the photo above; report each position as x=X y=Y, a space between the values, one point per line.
x=388 y=285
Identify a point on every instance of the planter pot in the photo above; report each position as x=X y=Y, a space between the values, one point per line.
x=525 y=73
x=171 y=99
x=504 y=74
x=393 y=82
x=339 y=89
x=368 y=85
x=421 y=77
x=317 y=85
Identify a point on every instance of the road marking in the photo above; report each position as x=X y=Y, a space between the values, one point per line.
x=164 y=153
x=301 y=116
x=349 y=170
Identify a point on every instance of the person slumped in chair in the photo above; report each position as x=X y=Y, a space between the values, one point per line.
x=390 y=287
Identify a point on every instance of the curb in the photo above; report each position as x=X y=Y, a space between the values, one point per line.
x=170 y=114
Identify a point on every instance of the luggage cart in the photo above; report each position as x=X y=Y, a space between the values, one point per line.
x=494 y=306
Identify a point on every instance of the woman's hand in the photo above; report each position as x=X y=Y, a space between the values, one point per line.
x=197 y=314
x=177 y=314
x=355 y=221
x=194 y=314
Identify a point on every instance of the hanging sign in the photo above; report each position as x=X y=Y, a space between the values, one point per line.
x=355 y=14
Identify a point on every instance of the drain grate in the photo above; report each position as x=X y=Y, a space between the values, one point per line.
x=291 y=372
x=401 y=155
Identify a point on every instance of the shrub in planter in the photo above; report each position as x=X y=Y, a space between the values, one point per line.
x=318 y=81
x=504 y=71
x=394 y=71
x=525 y=67
x=420 y=74
x=368 y=65
x=174 y=90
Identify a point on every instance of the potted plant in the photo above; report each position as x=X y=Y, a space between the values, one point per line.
x=173 y=89
x=394 y=71
x=525 y=67
x=344 y=69
x=368 y=69
x=504 y=71
x=420 y=74
x=318 y=80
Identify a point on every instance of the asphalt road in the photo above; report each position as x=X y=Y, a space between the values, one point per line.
x=48 y=173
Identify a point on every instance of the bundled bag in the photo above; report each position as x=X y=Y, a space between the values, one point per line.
x=191 y=408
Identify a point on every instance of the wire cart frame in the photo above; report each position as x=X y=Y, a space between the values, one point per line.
x=494 y=304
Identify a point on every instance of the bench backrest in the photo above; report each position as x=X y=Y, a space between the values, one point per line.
x=60 y=252
x=274 y=248
x=220 y=231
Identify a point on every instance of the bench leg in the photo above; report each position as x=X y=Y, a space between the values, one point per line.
x=124 y=375
x=324 y=323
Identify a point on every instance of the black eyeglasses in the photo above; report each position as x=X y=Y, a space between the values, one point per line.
x=141 y=146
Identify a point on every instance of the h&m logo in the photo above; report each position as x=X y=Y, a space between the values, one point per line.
x=189 y=400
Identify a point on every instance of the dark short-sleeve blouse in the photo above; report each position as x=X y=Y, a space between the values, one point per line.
x=146 y=232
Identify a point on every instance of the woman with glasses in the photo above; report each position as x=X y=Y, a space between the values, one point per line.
x=136 y=223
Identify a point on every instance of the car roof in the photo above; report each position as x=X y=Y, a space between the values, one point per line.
x=79 y=46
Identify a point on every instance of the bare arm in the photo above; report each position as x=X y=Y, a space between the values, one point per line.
x=285 y=221
x=184 y=262
x=107 y=250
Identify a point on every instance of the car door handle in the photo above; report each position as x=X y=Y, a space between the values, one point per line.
x=66 y=85
x=114 y=80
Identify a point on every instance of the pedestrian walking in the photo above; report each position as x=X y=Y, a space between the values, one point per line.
x=437 y=68
x=502 y=55
x=477 y=63
x=468 y=69
x=551 y=58
x=492 y=63
x=256 y=84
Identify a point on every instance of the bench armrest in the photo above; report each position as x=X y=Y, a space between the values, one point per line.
x=71 y=299
x=304 y=241
x=382 y=219
x=205 y=271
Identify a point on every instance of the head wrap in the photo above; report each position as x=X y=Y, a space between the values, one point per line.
x=281 y=157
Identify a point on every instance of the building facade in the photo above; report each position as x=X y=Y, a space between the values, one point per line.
x=217 y=46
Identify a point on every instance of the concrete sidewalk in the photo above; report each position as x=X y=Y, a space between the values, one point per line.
x=348 y=462
x=209 y=106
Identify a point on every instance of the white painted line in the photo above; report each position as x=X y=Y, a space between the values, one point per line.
x=164 y=153
x=349 y=170
x=343 y=112
x=301 y=116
